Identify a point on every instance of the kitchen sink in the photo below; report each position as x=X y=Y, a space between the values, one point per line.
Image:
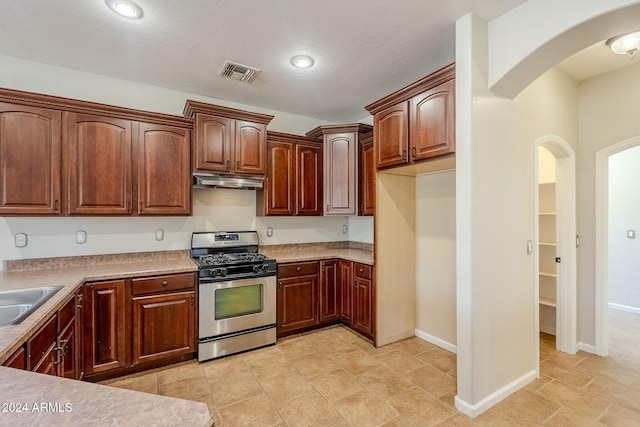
x=17 y=304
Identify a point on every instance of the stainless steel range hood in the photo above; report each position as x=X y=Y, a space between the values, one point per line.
x=204 y=180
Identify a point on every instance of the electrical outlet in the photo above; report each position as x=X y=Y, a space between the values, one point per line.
x=269 y=231
x=81 y=237
x=159 y=234
x=345 y=229
x=21 y=240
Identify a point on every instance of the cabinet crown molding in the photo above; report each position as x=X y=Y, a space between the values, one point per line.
x=87 y=107
x=192 y=107
x=290 y=138
x=320 y=131
x=428 y=82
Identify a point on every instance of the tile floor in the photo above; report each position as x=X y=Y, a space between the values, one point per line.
x=332 y=377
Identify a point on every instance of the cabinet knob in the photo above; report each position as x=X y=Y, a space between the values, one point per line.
x=361 y=270
x=298 y=268
x=164 y=283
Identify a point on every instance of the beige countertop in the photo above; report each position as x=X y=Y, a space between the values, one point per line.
x=30 y=399
x=311 y=252
x=71 y=273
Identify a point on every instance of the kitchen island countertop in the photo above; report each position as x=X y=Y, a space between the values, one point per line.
x=30 y=399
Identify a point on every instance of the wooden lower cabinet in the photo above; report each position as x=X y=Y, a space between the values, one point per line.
x=362 y=299
x=345 y=293
x=54 y=348
x=138 y=323
x=18 y=359
x=163 y=325
x=297 y=296
x=329 y=291
x=105 y=326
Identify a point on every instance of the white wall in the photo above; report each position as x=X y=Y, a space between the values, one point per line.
x=436 y=257
x=546 y=166
x=495 y=181
x=214 y=209
x=624 y=215
x=608 y=106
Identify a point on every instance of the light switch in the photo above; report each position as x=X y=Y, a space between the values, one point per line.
x=631 y=234
x=81 y=237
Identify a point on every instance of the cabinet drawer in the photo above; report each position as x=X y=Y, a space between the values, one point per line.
x=154 y=284
x=297 y=269
x=67 y=313
x=42 y=340
x=362 y=270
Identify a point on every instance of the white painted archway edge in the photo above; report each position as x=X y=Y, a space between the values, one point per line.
x=602 y=239
x=566 y=328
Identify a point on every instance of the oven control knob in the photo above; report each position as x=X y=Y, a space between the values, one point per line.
x=259 y=268
x=223 y=271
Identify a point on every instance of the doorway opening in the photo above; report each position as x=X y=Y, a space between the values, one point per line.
x=602 y=241
x=555 y=260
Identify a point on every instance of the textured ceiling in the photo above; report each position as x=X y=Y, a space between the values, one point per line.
x=364 y=49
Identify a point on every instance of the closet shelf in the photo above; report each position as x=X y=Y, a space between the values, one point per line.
x=547 y=302
x=547 y=273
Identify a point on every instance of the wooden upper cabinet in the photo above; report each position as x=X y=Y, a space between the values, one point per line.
x=309 y=179
x=366 y=177
x=212 y=150
x=228 y=141
x=280 y=185
x=391 y=135
x=251 y=148
x=340 y=165
x=416 y=123
x=29 y=160
x=99 y=160
x=164 y=170
x=293 y=185
x=433 y=122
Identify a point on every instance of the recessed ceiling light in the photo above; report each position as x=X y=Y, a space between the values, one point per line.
x=625 y=44
x=125 y=8
x=302 y=61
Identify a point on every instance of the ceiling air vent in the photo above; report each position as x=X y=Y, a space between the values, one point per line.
x=237 y=71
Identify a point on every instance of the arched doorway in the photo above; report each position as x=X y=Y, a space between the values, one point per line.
x=602 y=233
x=563 y=244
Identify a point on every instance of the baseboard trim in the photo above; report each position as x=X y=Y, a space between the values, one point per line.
x=547 y=329
x=621 y=307
x=588 y=348
x=388 y=339
x=437 y=341
x=473 y=411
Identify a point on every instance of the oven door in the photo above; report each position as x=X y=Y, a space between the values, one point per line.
x=236 y=305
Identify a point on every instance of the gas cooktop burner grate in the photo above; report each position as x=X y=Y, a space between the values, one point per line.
x=231 y=258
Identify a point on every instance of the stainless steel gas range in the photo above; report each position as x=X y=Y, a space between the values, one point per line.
x=237 y=293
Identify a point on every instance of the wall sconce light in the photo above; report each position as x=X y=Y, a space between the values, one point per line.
x=625 y=44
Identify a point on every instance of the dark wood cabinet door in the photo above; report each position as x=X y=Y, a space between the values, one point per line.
x=340 y=173
x=391 y=135
x=433 y=122
x=329 y=291
x=164 y=170
x=163 y=326
x=297 y=303
x=99 y=165
x=213 y=144
x=250 y=148
x=366 y=180
x=309 y=180
x=48 y=364
x=105 y=326
x=362 y=306
x=17 y=360
x=280 y=191
x=345 y=271
x=29 y=160
x=68 y=340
